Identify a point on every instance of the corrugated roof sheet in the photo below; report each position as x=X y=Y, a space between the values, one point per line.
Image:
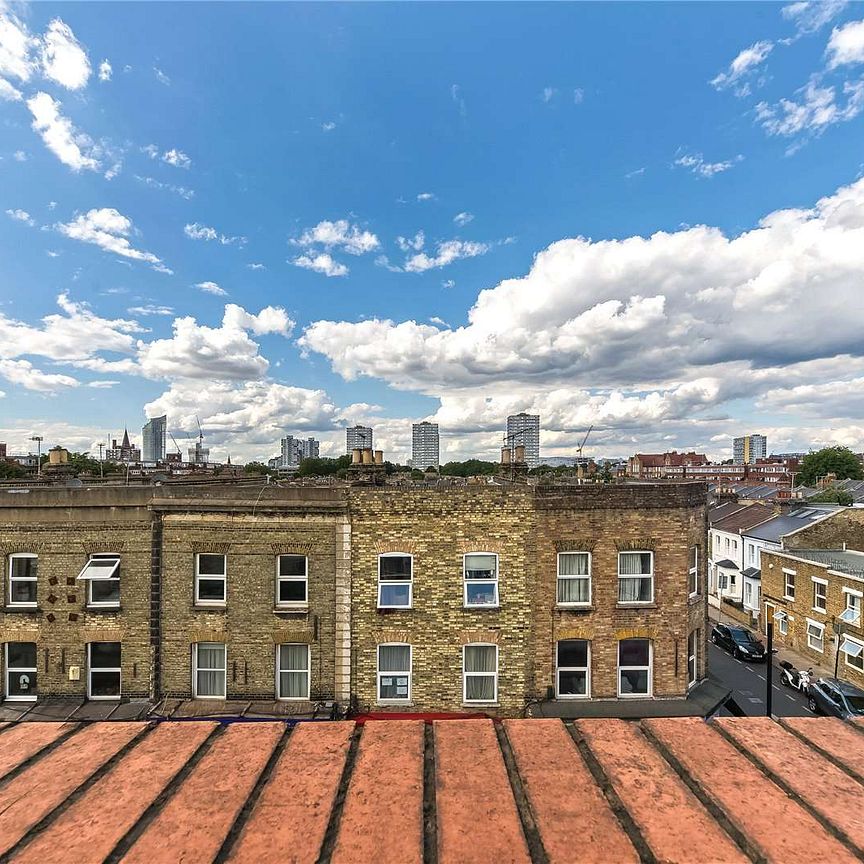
x=452 y=791
x=744 y=519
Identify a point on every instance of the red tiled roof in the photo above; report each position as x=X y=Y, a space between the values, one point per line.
x=453 y=791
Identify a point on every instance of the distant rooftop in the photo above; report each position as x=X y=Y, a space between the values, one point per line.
x=800 y=517
x=843 y=560
x=453 y=791
x=743 y=519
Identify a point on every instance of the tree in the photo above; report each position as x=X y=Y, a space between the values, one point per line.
x=468 y=468
x=11 y=471
x=322 y=467
x=257 y=468
x=840 y=461
x=833 y=496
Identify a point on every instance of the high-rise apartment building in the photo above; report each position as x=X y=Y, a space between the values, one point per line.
x=358 y=436
x=153 y=435
x=524 y=429
x=294 y=450
x=424 y=445
x=748 y=448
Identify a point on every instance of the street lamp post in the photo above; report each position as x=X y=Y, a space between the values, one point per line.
x=38 y=439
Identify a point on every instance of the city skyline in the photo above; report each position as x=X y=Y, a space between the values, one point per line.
x=670 y=288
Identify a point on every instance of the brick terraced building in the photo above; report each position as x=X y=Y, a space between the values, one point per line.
x=266 y=599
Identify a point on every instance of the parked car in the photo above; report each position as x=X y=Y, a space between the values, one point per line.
x=738 y=640
x=835 y=698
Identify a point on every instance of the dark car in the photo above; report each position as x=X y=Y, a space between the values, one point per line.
x=740 y=641
x=835 y=698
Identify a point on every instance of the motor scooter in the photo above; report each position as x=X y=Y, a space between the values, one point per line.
x=797 y=679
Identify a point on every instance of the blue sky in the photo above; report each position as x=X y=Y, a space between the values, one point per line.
x=289 y=218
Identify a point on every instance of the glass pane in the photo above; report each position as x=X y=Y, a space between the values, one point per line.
x=22 y=655
x=634 y=681
x=104 y=683
x=211 y=655
x=293 y=685
x=480 y=593
x=105 y=591
x=480 y=566
x=211 y=589
x=573 y=590
x=23 y=592
x=24 y=567
x=294 y=658
x=573 y=652
x=573 y=564
x=394 y=658
x=631 y=563
x=104 y=655
x=393 y=687
x=480 y=658
x=395 y=595
x=694 y=556
x=292 y=565
x=211 y=565
x=633 y=652
x=480 y=688
x=211 y=683
x=572 y=683
x=100 y=568
x=395 y=567
x=292 y=591
x=634 y=589
x=22 y=683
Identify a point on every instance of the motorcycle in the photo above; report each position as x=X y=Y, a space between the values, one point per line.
x=797 y=679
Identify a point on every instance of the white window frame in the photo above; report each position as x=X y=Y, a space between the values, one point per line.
x=112 y=576
x=567 y=578
x=196 y=669
x=748 y=594
x=90 y=670
x=292 y=604
x=650 y=668
x=210 y=577
x=821 y=628
x=692 y=573
x=465 y=582
x=694 y=657
x=586 y=669
x=409 y=582
x=786 y=574
x=279 y=670
x=858 y=667
x=817 y=584
x=12 y=604
x=393 y=700
x=7 y=695
x=641 y=576
x=722 y=579
x=467 y=675
x=856 y=605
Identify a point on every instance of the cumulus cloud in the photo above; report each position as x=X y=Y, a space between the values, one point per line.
x=177 y=158
x=23 y=374
x=743 y=65
x=105 y=71
x=697 y=164
x=415 y=243
x=71 y=147
x=426 y=196
x=339 y=235
x=64 y=61
x=17 y=47
x=322 y=262
x=196 y=231
x=109 y=230
x=817 y=108
x=463 y=218
x=8 y=92
x=846 y=45
x=21 y=216
x=446 y=253
x=212 y=288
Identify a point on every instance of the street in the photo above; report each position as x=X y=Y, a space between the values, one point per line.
x=747 y=682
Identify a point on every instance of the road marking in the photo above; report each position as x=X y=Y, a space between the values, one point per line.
x=790 y=698
x=760 y=677
x=738 y=661
x=754 y=699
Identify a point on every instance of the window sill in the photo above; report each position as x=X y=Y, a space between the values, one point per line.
x=395 y=703
x=787 y=597
x=27 y=609
x=480 y=705
x=575 y=607
x=818 y=610
x=103 y=610
x=636 y=605
x=210 y=607
x=296 y=610
x=387 y=610
x=481 y=608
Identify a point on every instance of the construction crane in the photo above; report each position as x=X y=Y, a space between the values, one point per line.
x=200 y=431
x=580 y=471
x=179 y=451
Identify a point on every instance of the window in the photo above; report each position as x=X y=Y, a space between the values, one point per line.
x=783 y=625
x=210 y=579
x=291 y=580
x=722 y=580
x=854 y=651
x=815 y=636
x=634 y=667
x=573 y=669
x=635 y=577
x=102 y=574
x=394 y=580
x=21 y=671
x=481 y=579
x=789 y=589
x=728 y=544
x=394 y=673
x=692 y=657
x=820 y=595
x=852 y=613
x=574 y=578
x=693 y=580
x=748 y=594
x=480 y=673
x=22 y=579
x=292 y=667
x=103 y=670
x=208 y=673
x=751 y=553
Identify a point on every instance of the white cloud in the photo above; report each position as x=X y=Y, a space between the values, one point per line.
x=697 y=164
x=21 y=216
x=463 y=218
x=426 y=196
x=23 y=374
x=448 y=283
x=846 y=45
x=161 y=77
x=212 y=288
x=105 y=71
x=746 y=61
x=415 y=243
x=256 y=266
x=71 y=147
x=177 y=158
x=339 y=235
x=459 y=99
x=578 y=96
x=19 y=156
x=182 y=191
x=63 y=59
x=815 y=111
x=808 y=16
x=150 y=309
x=322 y=262
x=109 y=230
x=8 y=92
x=329 y=126
x=195 y=231
x=548 y=94
x=16 y=47
x=446 y=253
x=637 y=172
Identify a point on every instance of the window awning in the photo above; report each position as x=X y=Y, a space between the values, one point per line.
x=850 y=616
x=752 y=573
x=100 y=568
x=726 y=564
x=781 y=616
x=851 y=649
